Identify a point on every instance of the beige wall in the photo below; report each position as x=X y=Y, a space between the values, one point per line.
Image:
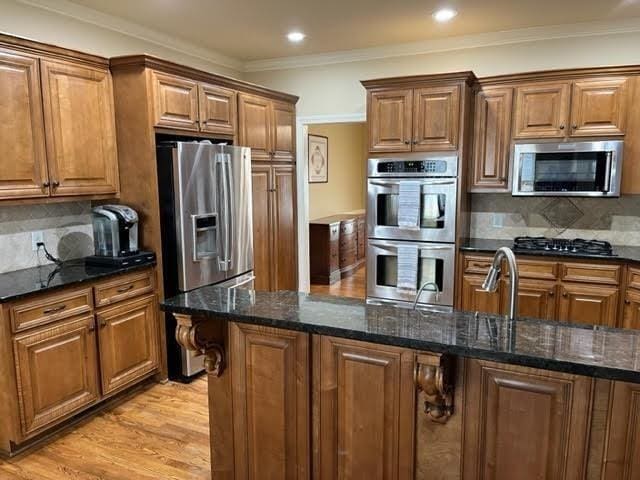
x=47 y=26
x=335 y=89
x=346 y=188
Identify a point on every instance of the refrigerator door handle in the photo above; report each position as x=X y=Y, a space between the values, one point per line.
x=231 y=214
x=224 y=262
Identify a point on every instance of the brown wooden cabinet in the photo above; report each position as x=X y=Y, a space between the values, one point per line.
x=536 y=299
x=128 y=342
x=542 y=110
x=492 y=140
x=436 y=118
x=274 y=227
x=217 y=109
x=364 y=408
x=268 y=127
x=56 y=372
x=475 y=299
x=271 y=411
x=623 y=440
x=631 y=317
x=390 y=118
x=592 y=304
x=23 y=164
x=599 y=107
x=80 y=129
x=524 y=423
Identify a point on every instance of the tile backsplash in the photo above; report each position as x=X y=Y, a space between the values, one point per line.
x=502 y=216
x=66 y=227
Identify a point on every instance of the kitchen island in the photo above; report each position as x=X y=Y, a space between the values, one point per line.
x=305 y=386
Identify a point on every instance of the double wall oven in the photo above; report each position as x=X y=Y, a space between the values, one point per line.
x=411 y=226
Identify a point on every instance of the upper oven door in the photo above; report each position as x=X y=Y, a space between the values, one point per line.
x=579 y=169
x=435 y=263
x=436 y=214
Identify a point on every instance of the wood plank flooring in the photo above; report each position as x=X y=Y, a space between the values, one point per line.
x=160 y=433
x=354 y=286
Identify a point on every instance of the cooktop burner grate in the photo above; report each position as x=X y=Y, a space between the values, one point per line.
x=561 y=245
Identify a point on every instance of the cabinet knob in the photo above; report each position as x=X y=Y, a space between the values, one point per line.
x=103 y=323
x=574 y=126
x=92 y=328
x=407 y=142
x=564 y=294
x=561 y=127
x=552 y=293
x=45 y=184
x=55 y=184
x=627 y=302
x=415 y=142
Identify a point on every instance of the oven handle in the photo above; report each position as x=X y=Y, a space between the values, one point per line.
x=389 y=247
x=607 y=173
x=383 y=183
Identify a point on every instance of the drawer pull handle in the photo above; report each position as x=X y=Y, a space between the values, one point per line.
x=125 y=289
x=58 y=308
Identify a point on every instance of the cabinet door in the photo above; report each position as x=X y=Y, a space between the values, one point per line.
x=592 y=304
x=128 y=342
x=80 y=129
x=57 y=372
x=492 y=139
x=389 y=117
x=254 y=129
x=364 y=410
x=542 y=110
x=599 y=107
x=525 y=424
x=175 y=102
x=218 y=109
x=623 y=442
x=631 y=310
x=285 y=238
x=271 y=420
x=474 y=299
x=262 y=238
x=23 y=164
x=284 y=124
x=436 y=118
x=536 y=299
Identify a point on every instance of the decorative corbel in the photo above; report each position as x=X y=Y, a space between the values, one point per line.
x=205 y=337
x=435 y=376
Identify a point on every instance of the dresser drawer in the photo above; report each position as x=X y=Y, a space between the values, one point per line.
x=46 y=308
x=347 y=228
x=591 y=273
x=334 y=232
x=123 y=287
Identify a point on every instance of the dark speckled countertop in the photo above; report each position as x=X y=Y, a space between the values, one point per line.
x=579 y=349
x=20 y=283
x=481 y=245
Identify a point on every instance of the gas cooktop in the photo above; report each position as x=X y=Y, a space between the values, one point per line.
x=576 y=246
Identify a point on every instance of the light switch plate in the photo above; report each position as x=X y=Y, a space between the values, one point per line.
x=497 y=221
x=36 y=237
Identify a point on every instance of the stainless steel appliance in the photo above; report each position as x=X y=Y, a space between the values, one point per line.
x=564 y=246
x=434 y=175
x=411 y=226
x=115 y=230
x=207 y=228
x=579 y=169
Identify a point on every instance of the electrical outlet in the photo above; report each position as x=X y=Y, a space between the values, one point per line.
x=498 y=220
x=36 y=237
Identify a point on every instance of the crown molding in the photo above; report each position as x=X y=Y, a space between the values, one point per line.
x=523 y=35
x=116 y=24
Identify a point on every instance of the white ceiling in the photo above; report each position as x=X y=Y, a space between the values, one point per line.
x=249 y=30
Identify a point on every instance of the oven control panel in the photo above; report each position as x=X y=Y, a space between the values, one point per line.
x=423 y=166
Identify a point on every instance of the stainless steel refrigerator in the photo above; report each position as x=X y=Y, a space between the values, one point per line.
x=207 y=228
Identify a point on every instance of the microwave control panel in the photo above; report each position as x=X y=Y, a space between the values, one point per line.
x=422 y=166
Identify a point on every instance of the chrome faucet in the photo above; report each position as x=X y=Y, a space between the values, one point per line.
x=490 y=283
x=426 y=284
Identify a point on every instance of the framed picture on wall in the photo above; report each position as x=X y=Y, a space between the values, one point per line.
x=318 y=160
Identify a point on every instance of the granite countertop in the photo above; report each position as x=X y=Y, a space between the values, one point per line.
x=20 y=283
x=621 y=253
x=579 y=349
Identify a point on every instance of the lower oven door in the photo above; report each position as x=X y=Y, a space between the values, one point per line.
x=436 y=263
x=437 y=214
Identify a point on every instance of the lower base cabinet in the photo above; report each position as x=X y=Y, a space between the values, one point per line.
x=622 y=454
x=525 y=424
x=56 y=373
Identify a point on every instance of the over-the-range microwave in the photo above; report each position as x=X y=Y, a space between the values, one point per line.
x=578 y=169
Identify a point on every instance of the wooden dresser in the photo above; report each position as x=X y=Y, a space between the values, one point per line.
x=336 y=246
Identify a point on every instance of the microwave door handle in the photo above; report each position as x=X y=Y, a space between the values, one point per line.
x=607 y=173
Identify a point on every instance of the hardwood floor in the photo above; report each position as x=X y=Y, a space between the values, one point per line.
x=160 y=433
x=354 y=286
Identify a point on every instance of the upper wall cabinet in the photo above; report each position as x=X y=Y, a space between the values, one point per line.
x=598 y=107
x=542 y=110
x=492 y=139
x=23 y=164
x=57 y=126
x=419 y=120
x=184 y=104
x=267 y=126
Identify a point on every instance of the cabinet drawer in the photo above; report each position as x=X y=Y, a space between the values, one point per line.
x=123 y=287
x=48 y=308
x=536 y=269
x=473 y=264
x=591 y=273
x=633 y=278
x=347 y=228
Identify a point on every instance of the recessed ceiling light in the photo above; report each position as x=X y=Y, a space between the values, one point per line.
x=444 y=15
x=296 y=37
